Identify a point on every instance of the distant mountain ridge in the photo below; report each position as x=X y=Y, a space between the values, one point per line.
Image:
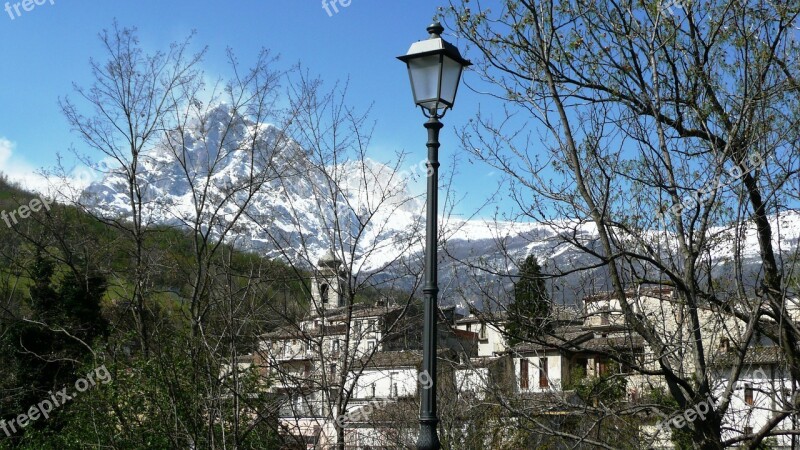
x=292 y=214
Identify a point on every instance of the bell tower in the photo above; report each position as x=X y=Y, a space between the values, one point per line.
x=327 y=290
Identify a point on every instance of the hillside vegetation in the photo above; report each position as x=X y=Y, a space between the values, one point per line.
x=67 y=310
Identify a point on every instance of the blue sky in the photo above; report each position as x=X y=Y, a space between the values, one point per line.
x=47 y=49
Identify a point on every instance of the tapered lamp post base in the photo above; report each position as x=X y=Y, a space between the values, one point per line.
x=428 y=437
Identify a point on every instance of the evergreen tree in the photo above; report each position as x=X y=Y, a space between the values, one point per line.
x=43 y=349
x=528 y=312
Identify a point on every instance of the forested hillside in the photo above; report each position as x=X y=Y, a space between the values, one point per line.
x=66 y=284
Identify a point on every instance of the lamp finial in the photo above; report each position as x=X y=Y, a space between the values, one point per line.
x=435 y=29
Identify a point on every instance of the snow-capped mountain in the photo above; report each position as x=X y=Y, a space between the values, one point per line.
x=256 y=188
x=224 y=170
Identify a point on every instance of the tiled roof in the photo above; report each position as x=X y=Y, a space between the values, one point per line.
x=614 y=343
x=483 y=361
x=569 y=336
x=664 y=292
x=754 y=355
x=575 y=338
x=378 y=311
x=499 y=316
x=286 y=332
x=403 y=358
x=558 y=312
x=292 y=332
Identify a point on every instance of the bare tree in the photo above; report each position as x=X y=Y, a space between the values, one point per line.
x=668 y=134
x=131 y=101
x=155 y=116
x=341 y=202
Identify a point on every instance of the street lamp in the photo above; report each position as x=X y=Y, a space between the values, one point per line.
x=434 y=67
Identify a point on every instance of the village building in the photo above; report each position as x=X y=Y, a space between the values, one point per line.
x=374 y=351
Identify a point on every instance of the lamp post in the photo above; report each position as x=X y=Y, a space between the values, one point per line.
x=434 y=68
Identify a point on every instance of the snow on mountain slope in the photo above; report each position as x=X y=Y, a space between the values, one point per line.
x=201 y=176
x=298 y=203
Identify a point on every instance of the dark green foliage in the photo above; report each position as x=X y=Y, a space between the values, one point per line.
x=530 y=309
x=45 y=346
x=53 y=273
x=577 y=377
x=681 y=438
x=607 y=388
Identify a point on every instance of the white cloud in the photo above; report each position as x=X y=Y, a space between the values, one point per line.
x=16 y=169
x=25 y=174
x=5 y=151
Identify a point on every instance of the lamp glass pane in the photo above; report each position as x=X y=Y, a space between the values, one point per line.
x=451 y=74
x=424 y=73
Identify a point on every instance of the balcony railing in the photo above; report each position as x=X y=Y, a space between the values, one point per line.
x=300 y=408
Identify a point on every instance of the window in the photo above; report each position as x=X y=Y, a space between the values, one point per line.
x=581 y=365
x=482 y=334
x=543 y=380
x=748 y=431
x=370 y=345
x=469 y=327
x=323 y=292
x=602 y=368
x=373 y=390
x=331 y=395
x=333 y=369
x=523 y=373
x=604 y=316
x=392 y=384
x=724 y=344
x=748 y=393
x=335 y=345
